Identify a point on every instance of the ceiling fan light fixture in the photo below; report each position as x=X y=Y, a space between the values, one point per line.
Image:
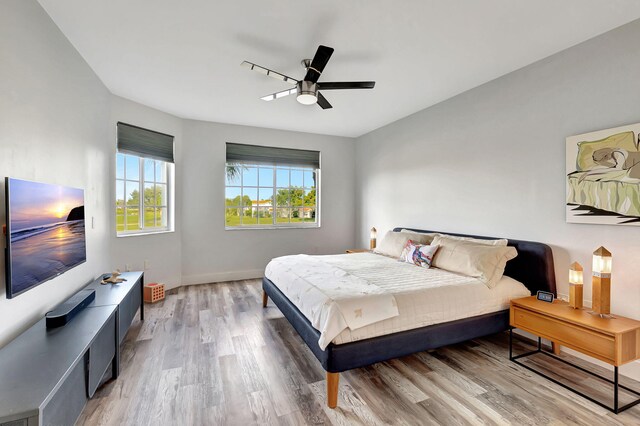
x=307 y=93
x=307 y=98
x=308 y=89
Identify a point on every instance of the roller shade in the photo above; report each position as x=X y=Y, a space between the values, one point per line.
x=255 y=154
x=145 y=143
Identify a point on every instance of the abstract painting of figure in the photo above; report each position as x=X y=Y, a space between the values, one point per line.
x=603 y=177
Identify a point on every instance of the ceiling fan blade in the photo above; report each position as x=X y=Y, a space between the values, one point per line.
x=340 y=85
x=323 y=102
x=318 y=63
x=270 y=73
x=280 y=94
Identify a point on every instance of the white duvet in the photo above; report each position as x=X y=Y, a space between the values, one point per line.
x=331 y=298
x=396 y=296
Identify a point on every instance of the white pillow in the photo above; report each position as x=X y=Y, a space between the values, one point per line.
x=482 y=261
x=497 y=242
x=393 y=242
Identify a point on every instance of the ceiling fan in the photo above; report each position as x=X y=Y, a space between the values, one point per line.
x=308 y=89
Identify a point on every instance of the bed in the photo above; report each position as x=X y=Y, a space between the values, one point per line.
x=533 y=267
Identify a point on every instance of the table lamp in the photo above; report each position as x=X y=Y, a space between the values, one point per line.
x=601 y=283
x=372 y=241
x=576 y=281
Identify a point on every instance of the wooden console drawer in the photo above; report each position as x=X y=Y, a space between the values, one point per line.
x=598 y=345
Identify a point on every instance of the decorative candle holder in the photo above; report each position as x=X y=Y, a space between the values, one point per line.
x=372 y=241
x=576 y=285
x=601 y=283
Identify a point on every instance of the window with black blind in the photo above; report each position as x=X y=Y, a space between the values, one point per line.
x=144 y=173
x=270 y=187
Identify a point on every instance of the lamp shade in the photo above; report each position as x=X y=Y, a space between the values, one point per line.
x=374 y=233
x=576 y=274
x=602 y=262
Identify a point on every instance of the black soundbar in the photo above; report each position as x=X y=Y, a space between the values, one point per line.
x=65 y=312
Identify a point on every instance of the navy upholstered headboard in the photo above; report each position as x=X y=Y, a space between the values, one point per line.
x=533 y=266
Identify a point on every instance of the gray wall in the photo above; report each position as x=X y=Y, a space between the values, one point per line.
x=209 y=253
x=52 y=129
x=491 y=161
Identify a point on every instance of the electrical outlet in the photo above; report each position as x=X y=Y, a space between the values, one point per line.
x=147 y=264
x=127 y=267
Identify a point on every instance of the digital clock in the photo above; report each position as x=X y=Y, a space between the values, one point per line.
x=545 y=296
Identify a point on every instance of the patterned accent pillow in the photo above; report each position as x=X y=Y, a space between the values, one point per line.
x=418 y=254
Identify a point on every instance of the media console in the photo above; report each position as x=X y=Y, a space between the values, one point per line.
x=47 y=375
x=128 y=296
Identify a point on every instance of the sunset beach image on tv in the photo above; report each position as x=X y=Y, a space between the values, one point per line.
x=46 y=233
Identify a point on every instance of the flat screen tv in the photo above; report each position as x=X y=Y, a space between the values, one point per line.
x=45 y=233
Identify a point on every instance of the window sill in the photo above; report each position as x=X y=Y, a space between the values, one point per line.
x=252 y=228
x=141 y=234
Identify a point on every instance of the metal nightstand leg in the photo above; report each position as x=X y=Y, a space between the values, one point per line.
x=615 y=382
x=142 y=298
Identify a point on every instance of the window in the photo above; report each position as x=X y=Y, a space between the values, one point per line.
x=143 y=182
x=134 y=176
x=269 y=192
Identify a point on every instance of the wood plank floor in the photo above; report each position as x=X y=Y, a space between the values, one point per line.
x=211 y=355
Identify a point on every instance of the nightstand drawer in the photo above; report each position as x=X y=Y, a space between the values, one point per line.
x=598 y=345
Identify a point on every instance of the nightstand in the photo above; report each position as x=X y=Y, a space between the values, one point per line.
x=615 y=341
x=357 y=251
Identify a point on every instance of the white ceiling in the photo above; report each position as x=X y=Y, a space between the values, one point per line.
x=183 y=57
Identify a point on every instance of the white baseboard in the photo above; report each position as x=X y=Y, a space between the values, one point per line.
x=217 y=277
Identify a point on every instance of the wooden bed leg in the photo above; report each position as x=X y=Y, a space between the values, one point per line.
x=332 y=389
x=555 y=348
x=265 y=299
